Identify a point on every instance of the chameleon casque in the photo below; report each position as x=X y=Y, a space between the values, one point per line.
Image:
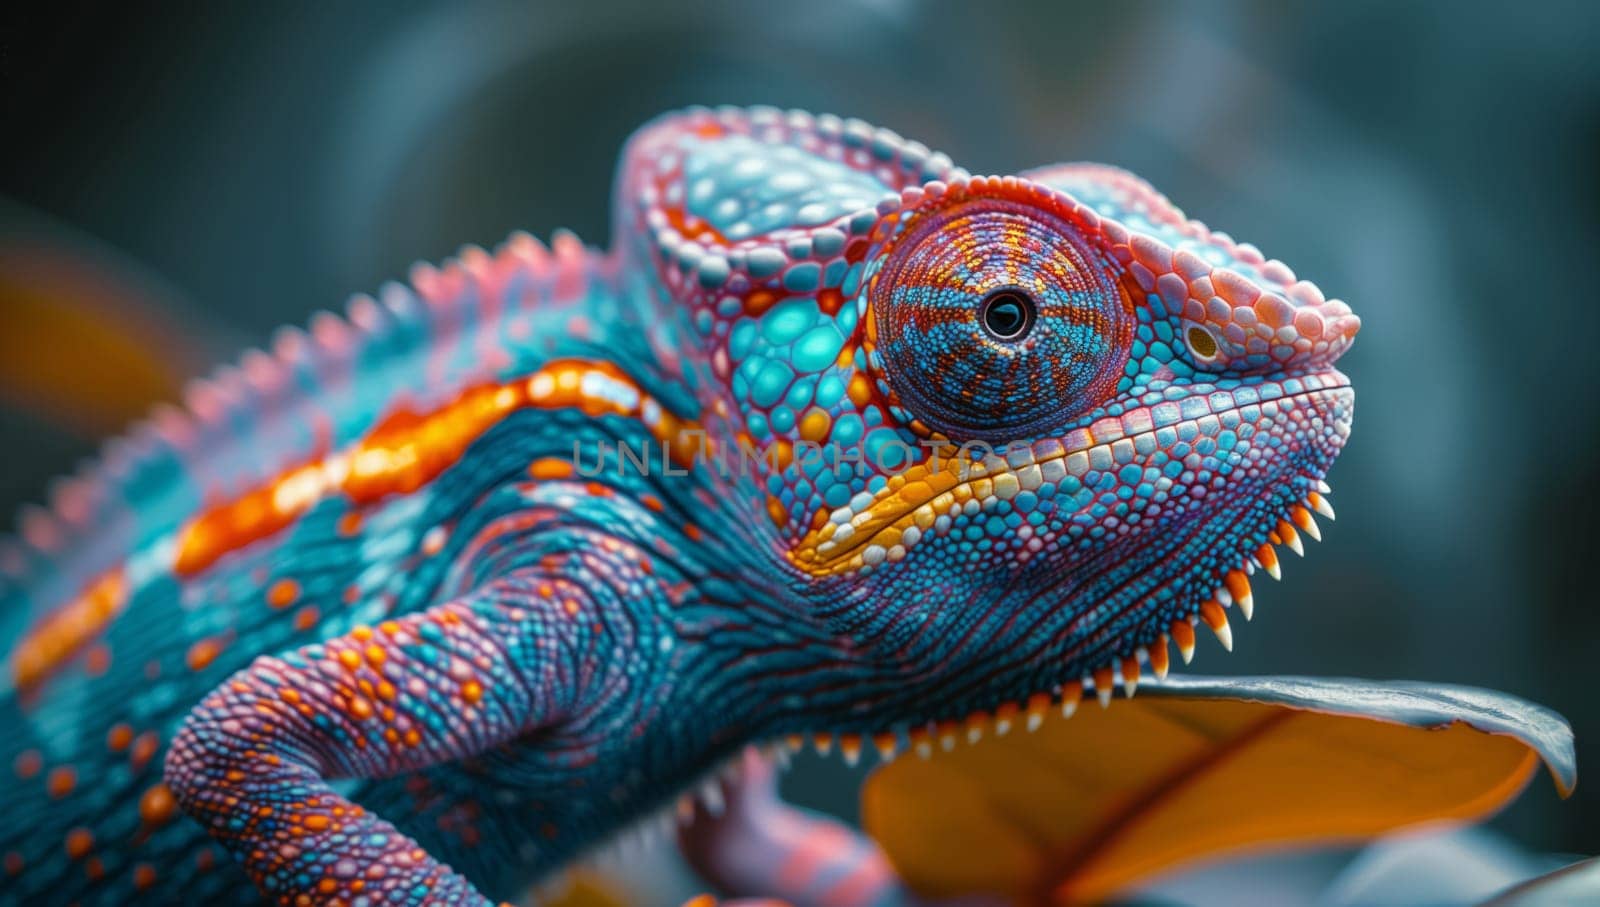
x=434 y=597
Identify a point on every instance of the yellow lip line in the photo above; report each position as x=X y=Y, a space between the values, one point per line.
x=907 y=508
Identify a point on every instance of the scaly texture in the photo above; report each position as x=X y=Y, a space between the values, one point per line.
x=836 y=439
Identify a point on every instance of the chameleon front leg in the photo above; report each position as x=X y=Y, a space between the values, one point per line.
x=253 y=761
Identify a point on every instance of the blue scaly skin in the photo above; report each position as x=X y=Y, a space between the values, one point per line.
x=835 y=440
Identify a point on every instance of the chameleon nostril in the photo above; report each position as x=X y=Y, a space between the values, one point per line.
x=1202 y=343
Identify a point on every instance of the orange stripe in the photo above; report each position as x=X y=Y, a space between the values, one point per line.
x=57 y=637
x=406 y=451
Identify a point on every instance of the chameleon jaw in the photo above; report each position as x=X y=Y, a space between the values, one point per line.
x=1029 y=713
x=1326 y=405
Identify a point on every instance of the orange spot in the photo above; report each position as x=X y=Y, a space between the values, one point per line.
x=28 y=763
x=759 y=301
x=349 y=659
x=306 y=618
x=204 y=652
x=471 y=691
x=433 y=542
x=859 y=389
x=61 y=781
x=97 y=660
x=652 y=502
x=693 y=531
x=550 y=468
x=775 y=510
x=315 y=822
x=830 y=301
x=350 y=523
x=693 y=227
x=144 y=876
x=79 y=840
x=815 y=424
x=64 y=631
x=283 y=593
x=376 y=655
x=157 y=805
x=144 y=748
x=119 y=738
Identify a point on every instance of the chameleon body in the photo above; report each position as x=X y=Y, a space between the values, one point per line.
x=834 y=440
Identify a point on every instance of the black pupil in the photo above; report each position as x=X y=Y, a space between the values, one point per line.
x=1008 y=314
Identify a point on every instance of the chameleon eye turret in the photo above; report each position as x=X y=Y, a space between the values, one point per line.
x=993 y=319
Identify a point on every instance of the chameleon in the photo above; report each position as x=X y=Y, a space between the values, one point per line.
x=836 y=444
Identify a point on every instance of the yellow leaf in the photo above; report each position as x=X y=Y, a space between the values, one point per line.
x=1201 y=767
x=586 y=888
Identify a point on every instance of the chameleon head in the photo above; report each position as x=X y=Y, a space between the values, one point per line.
x=1074 y=422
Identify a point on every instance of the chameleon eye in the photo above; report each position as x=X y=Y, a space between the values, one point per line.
x=1007 y=314
x=992 y=319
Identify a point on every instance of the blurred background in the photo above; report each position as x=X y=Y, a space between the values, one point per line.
x=177 y=182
